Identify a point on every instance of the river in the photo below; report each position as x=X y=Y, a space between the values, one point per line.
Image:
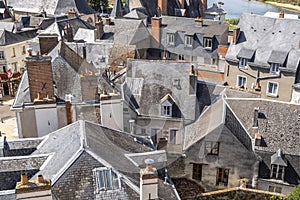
x=235 y=8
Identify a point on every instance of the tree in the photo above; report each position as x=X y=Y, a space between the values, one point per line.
x=98 y=4
x=295 y=195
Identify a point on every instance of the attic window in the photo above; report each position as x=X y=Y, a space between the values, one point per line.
x=188 y=41
x=274 y=68
x=277 y=172
x=166 y=106
x=207 y=43
x=243 y=62
x=212 y=148
x=106 y=179
x=170 y=39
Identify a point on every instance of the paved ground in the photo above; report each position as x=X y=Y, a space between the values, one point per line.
x=8 y=124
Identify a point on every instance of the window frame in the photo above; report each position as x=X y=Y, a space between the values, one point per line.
x=276 y=66
x=207 y=43
x=102 y=177
x=13 y=52
x=238 y=81
x=272 y=94
x=224 y=178
x=188 y=41
x=275 y=188
x=173 y=140
x=243 y=63
x=170 y=39
x=181 y=57
x=212 y=147
x=197 y=171
x=277 y=172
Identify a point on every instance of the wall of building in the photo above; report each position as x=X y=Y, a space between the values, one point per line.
x=230 y=149
x=264 y=185
x=61 y=116
x=112 y=113
x=46 y=119
x=90 y=112
x=27 y=123
x=295 y=96
x=285 y=81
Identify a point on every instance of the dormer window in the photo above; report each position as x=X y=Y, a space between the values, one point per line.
x=207 y=43
x=167 y=106
x=167 y=110
x=188 y=41
x=106 y=179
x=243 y=62
x=170 y=39
x=278 y=165
x=277 y=172
x=274 y=68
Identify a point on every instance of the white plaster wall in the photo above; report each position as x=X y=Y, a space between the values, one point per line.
x=112 y=114
x=295 y=97
x=46 y=120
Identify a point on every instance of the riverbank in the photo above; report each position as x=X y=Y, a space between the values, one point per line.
x=285 y=6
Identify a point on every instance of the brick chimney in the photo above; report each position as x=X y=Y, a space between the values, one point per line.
x=148 y=181
x=72 y=13
x=235 y=35
x=193 y=81
x=203 y=7
x=47 y=42
x=281 y=15
x=40 y=78
x=156 y=31
x=69 y=32
x=163 y=6
x=99 y=29
x=39 y=189
x=68 y=112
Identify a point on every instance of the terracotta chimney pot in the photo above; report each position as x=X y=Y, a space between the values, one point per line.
x=24 y=179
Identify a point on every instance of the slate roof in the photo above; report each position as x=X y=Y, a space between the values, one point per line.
x=8 y=26
x=135 y=14
x=278 y=123
x=149 y=81
x=7 y=37
x=271 y=38
x=54 y=7
x=215 y=10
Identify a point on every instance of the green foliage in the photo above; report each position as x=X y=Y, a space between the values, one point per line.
x=96 y=4
x=232 y=23
x=277 y=198
x=295 y=195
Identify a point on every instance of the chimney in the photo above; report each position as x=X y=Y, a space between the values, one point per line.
x=257 y=139
x=163 y=6
x=181 y=4
x=47 y=42
x=235 y=36
x=203 y=7
x=281 y=15
x=40 y=78
x=255 y=117
x=156 y=31
x=198 y=22
x=68 y=112
x=69 y=32
x=193 y=81
x=34 y=190
x=107 y=21
x=148 y=181
x=99 y=29
x=72 y=13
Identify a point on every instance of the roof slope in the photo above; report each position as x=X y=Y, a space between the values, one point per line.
x=7 y=37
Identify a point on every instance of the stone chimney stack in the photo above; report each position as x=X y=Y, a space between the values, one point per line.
x=47 y=42
x=34 y=190
x=99 y=29
x=69 y=32
x=193 y=81
x=163 y=6
x=203 y=7
x=148 y=182
x=281 y=15
x=156 y=31
x=40 y=78
x=235 y=35
x=72 y=13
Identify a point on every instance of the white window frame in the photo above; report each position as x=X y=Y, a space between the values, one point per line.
x=274 y=68
x=207 y=43
x=106 y=179
x=167 y=110
x=173 y=140
x=273 y=93
x=188 y=41
x=278 y=167
x=170 y=39
x=243 y=63
x=238 y=80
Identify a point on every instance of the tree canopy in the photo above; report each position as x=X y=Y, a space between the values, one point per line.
x=98 y=5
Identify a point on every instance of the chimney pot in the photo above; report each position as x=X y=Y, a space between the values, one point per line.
x=24 y=179
x=40 y=179
x=192 y=70
x=281 y=15
x=29 y=50
x=149 y=163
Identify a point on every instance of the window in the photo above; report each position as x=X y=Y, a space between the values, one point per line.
x=154 y=133
x=2 y=55
x=170 y=39
x=273 y=188
x=143 y=131
x=207 y=43
x=243 y=62
x=272 y=89
x=106 y=179
x=13 y=52
x=14 y=66
x=180 y=57
x=274 y=68
x=188 y=41
x=197 y=172
x=222 y=176
x=212 y=148
x=277 y=172
x=23 y=50
x=172 y=137
x=241 y=81
x=167 y=111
